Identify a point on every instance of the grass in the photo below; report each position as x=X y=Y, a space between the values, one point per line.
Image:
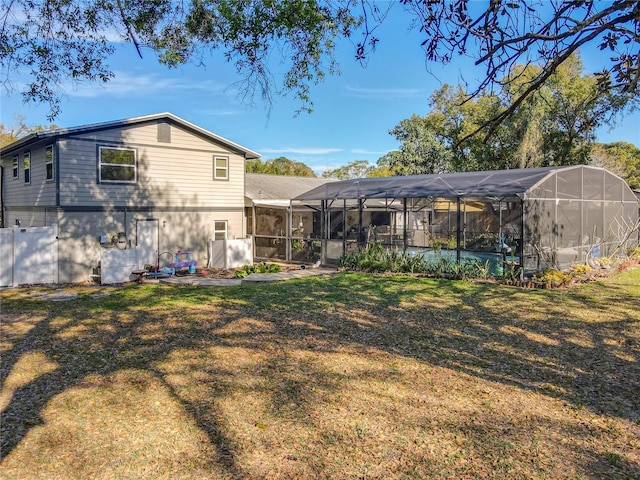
x=348 y=377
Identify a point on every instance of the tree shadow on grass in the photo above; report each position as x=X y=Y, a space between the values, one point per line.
x=95 y=339
x=184 y=336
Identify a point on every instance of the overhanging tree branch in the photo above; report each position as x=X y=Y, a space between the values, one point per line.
x=305 y=34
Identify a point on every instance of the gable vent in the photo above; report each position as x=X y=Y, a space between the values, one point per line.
x=164 y=132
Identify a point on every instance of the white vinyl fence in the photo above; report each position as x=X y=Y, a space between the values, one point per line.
x=28 y=255
x=116 y=265
x=227 y=254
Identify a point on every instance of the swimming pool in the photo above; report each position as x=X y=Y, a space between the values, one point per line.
x=496 y=260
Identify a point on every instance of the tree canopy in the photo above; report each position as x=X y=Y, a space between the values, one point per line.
x=279 y=166
x=57 y=41
x=554 y=126
x=621 y=158
x=357 y=169
x=11 y=133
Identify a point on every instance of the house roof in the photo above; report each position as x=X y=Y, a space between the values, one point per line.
x=497 y=183
x=37 y=136
x=278 y=190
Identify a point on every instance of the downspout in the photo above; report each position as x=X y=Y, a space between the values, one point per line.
x=56 y=173
x=56 y=164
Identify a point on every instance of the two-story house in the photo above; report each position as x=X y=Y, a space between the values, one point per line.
x=154 y=180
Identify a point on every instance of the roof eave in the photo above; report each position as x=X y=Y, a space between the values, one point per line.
x=34 y=137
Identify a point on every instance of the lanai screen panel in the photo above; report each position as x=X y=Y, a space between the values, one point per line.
x=566 y=214
x=576 y=214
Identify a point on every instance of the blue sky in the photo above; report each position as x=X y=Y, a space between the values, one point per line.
x=352 y=113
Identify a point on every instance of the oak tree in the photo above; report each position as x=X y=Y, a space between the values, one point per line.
x=279 y=166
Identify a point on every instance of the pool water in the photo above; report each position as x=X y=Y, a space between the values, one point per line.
x=495 y=260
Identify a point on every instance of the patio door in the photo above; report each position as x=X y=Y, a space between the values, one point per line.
x=147 y=241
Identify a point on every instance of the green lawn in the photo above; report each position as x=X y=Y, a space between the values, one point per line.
x=347 y=377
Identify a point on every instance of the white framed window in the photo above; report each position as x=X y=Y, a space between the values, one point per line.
x=26 y=163
x=48 y=162
x=117 y=165
x=16 y=170
x=220 y=230
x=220 y=168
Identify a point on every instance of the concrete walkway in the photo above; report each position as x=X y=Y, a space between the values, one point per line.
x=252 y=278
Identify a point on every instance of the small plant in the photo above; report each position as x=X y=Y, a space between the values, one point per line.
x=614 y=458
x=580 y=269
x=604 y=261
x=634 y=252
x=553 y=277
x=483 y=269
x=511 y=270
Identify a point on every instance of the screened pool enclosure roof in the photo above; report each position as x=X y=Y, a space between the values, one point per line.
x=497 y=183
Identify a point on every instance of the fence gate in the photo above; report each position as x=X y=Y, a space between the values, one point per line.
x=33 y=256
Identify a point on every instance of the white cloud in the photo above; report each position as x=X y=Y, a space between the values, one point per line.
x=384 y=93
x=302 y=151
x=359 y=151
x=126 y=84
x=320 y=169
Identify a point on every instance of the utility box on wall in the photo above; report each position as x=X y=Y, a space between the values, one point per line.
x=117 y=265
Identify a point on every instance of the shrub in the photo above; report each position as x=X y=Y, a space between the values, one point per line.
x=555 y=277
x=604 y=261
x=261 y=267
x=580 y=269
x=634 y=252
x=511 y=270
x=376 y=258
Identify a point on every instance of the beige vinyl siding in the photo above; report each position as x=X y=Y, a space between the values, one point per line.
x=147 y=134
x=39 y=192
x=29 y=217
x=80 y=249
x=187 y=231
x=179 y=173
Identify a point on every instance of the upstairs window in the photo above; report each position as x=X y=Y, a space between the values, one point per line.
x=117 y=165
x=16 y=171
x=220 y=168
x=48 y=162
x=26 y=162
